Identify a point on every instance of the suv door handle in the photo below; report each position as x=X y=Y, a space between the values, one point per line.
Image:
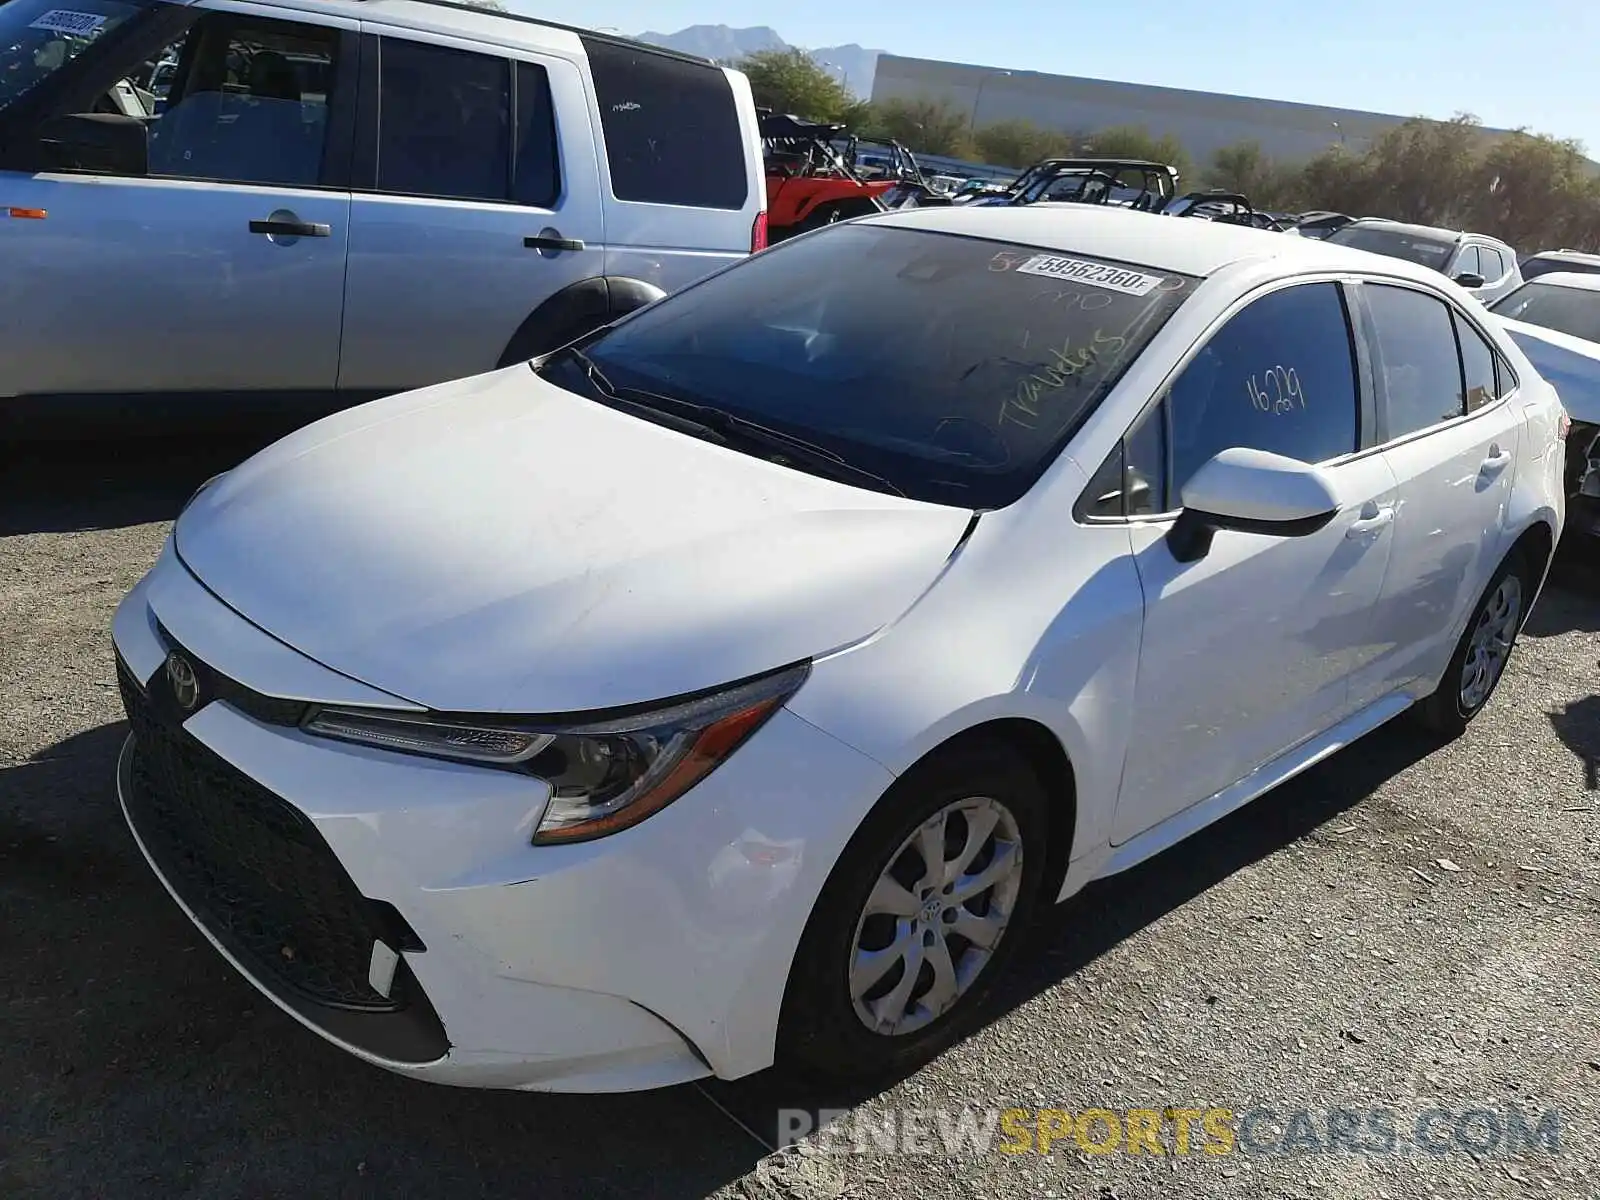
x=552 y=242
x=1372 y=519
x=283 y=227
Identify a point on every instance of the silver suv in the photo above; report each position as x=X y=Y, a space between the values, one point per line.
x=323 y=201
x=1483 y=265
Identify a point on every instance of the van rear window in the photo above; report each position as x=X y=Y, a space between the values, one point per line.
x=671 y=128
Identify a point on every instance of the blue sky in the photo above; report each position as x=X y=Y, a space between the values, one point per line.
x=1509 y=66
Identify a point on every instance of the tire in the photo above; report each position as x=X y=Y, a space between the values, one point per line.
x=1478 y=664
x=824 y=1029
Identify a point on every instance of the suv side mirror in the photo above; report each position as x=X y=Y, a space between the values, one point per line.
x=104 y=142
x=1470 y=280
x=1251 y=491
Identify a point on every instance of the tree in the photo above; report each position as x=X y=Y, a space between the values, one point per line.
x=1020 y=143
x=1245 y=168
x=791 y=81
x=926 y=126
x=1528 y=189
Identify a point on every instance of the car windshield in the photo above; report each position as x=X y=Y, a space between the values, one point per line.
x=39 y=37
x=951 y=368
x=1535 y=267
x=1569 y=310
x=1425 y=251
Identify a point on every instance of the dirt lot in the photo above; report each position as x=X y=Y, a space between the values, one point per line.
x=1405 y=928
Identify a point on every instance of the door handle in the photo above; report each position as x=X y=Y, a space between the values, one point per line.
x=1497 y=459
x=552 y=241
x=283 y=227
x=1372 y=519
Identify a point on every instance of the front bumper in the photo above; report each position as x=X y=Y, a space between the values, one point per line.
x=396 y=906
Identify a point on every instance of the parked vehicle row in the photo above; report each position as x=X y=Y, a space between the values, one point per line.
x=338 y=200
x=858 y=601
x=1555 y=318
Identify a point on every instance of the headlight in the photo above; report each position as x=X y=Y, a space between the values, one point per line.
x=604 y=775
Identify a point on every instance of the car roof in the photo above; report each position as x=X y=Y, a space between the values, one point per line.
x=1182 y=244
x=1415 y=230
x=1565 y=255
x=1569 y=279
x=465 y=15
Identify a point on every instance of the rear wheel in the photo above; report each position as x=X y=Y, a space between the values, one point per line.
x=918 y=917
x=1485 y=647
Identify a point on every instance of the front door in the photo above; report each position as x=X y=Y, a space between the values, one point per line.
x=1248 y=651
x=479 y=201
x=222 y=269
x=1450 y=430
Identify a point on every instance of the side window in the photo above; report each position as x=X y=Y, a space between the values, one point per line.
x=1417 y=359
x=671 y=129
x=1477 y=365
x=253 y=104
x=444 y=122
x=1132 y=481
x=1494 y=264
x=537 y=180
x=1469 y=262
x=1279 y=376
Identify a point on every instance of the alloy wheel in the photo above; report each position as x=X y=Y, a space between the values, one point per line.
x=935 y=916
x=1491 y=642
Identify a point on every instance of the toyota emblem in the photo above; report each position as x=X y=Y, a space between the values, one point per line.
x=185 y=684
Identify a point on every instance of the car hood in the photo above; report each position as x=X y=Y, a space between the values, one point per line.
x=1569 y=364
x=497 y=544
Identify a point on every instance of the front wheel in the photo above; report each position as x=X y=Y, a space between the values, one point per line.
x=1481 y=655
x=918 y=916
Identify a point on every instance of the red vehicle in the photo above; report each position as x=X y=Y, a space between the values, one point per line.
x=811 y=182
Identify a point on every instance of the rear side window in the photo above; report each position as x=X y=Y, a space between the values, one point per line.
x=1417 y=356
x=462 y=126
x=1477 y=365
x=444 y=122
x=671 y=129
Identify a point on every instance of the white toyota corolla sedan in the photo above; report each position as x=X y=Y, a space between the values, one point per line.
x=730 y=686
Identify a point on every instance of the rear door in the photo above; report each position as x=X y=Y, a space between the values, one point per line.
x=477 y=198
x=1450 y=434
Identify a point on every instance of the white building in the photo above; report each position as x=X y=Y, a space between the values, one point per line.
x=1203 y=122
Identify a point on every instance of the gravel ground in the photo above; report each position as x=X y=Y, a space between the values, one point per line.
x=1405 y=927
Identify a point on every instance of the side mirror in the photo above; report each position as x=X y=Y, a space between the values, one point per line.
x=1251 y=491
x=1470 y=280
x=104 y=142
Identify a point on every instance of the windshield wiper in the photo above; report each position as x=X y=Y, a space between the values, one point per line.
x=661 y=409
x=722 y=426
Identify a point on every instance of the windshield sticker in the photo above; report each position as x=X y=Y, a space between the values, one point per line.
x=1117 y=279
x=64 y=20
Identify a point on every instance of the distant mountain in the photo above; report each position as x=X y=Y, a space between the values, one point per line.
x=853 y=65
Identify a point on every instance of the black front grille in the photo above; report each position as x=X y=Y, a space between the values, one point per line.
x=253 y=868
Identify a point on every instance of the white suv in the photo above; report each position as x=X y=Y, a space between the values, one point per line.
x=339 y=199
